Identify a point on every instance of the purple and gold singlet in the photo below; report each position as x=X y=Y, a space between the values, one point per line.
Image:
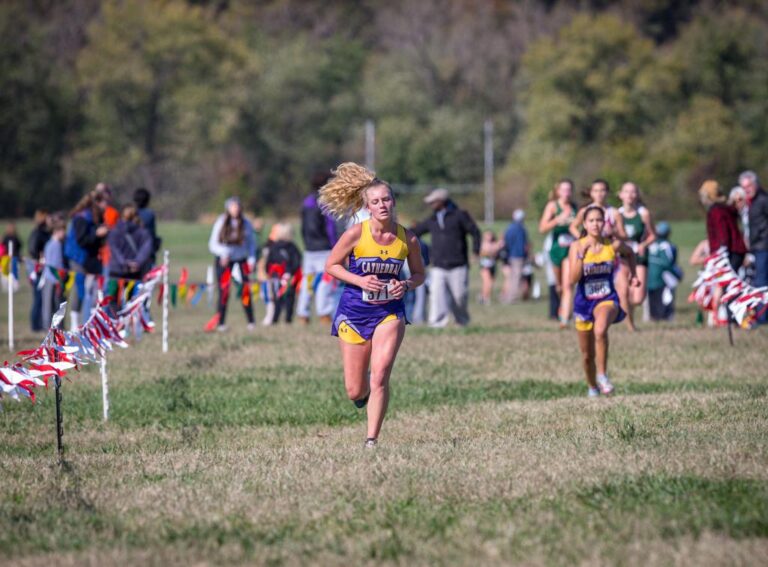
x=359 y=311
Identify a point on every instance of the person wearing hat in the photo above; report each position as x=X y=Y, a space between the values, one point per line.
x=448 y=226
x=233 y=243
x=664 y=274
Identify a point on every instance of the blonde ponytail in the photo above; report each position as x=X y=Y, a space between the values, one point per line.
x=344 y=194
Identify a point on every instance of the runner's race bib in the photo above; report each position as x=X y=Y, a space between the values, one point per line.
x=597 y=289
x=382 y=296
x=565 y=240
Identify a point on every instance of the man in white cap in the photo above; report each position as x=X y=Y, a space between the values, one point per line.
x=516 y=246
x=448 y=227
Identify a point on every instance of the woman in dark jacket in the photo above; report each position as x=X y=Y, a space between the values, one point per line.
x=130 y=246
x=84 y=239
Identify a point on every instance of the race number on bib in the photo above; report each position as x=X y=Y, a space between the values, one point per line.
x=565 y=240
x=597 y=289
x=378 y=296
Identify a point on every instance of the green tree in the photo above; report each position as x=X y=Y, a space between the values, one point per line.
x=162 y=85
x=37 y=114
x=300 y=113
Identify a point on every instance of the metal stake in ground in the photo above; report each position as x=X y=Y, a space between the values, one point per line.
x=10 y=296
x=104 y=377
x=166 y=293
x=59 y=420
x=730 y=322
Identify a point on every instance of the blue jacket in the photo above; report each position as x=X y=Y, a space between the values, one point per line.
x=516 y=240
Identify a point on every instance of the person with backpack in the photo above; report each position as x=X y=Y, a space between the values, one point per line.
x=130 y=246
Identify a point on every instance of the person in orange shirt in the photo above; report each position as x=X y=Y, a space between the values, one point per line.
x=111 y=216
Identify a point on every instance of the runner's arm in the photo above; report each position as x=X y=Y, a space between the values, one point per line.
x=335 y=265
x=548 y=220
x=575 y=228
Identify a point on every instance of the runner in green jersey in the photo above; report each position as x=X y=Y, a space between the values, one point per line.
x=557 y=217
x=635 y=227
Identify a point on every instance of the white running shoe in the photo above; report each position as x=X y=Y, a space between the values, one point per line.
x=370 y=443
x=221 y=328
x=606 y=388
x=593 y=393
x=251 y=327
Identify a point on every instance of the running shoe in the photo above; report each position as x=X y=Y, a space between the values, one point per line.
x=370 y=443
x=604 y=384
x=593 y=393
x=362 y=402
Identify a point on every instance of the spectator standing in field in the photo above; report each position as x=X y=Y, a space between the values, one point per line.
x=85 y=238
x=722 y=232
x=318 y=231
x=111 y=218
x=664 y=275
x=130 y=247
x=448 y=226
x=416 y=299
x=489 y=257
x=36 y=246
x=12 y=237
x=283 y=267
x=54 y=274
x=517 y=248
x=263 y=279
x=737 y=198
x=141 y=198
x=758 y=229
x=233 y=243
x=722 y=223
x=556 y=219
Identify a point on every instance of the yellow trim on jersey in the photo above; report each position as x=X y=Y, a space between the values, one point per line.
x=367 y=247
x=589 y=325
x=606 y=254
x=349 y=335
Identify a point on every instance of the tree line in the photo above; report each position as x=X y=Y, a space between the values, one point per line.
x=198 y=100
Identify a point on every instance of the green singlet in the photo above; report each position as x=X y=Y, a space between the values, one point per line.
x=635 y=229
x=561 y=238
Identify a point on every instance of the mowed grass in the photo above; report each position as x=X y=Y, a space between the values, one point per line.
x=240 y=448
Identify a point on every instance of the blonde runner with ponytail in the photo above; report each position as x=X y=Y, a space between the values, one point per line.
x=369 y=258
x=344 y=194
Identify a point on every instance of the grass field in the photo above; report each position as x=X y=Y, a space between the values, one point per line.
x=241 y=448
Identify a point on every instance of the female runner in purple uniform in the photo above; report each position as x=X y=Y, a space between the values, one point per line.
x=593 y=262
x=370 y=320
